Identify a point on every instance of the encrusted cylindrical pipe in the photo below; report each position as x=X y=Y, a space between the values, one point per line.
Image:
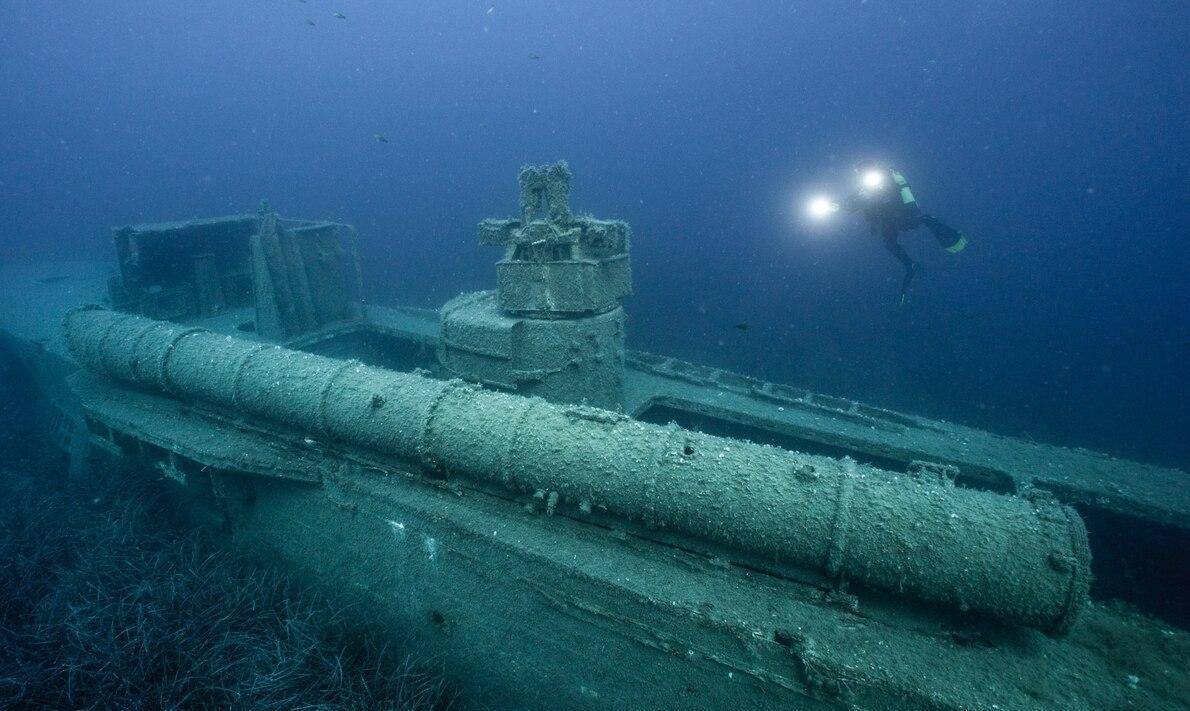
x=1013 y=559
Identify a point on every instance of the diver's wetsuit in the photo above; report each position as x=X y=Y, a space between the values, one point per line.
x=892 y=210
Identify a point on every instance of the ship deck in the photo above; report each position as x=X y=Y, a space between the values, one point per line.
x=36 y=295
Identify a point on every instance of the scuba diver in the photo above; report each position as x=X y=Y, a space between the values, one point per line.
x=888 y=205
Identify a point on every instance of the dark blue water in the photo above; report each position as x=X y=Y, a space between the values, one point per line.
x=1054 y=134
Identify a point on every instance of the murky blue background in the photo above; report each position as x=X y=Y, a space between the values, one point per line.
x=1055 y=134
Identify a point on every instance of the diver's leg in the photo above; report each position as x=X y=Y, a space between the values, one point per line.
x=889 y=234
x=948 y=237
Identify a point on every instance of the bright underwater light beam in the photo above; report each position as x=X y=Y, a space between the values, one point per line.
x=821 y=207
x=873 y=179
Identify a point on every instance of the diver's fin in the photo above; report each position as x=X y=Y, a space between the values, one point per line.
x=912 y=271
x=959 y=245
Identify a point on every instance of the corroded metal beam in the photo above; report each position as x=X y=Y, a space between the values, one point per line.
x=1010 y=558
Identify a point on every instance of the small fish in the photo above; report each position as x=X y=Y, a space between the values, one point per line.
x=491 y=9
x=743 y=326
x=534 y=55
x=309 y=22
x=380 y=137
x=340 y=15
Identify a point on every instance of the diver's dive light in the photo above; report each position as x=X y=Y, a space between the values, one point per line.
x=873 y=179
x=821 y=207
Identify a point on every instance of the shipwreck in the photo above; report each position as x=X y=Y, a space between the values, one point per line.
x=571 y=524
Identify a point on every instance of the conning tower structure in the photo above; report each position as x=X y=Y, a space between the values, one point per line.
x=554 y=326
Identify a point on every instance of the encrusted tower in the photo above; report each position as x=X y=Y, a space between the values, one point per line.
x=554 y=326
